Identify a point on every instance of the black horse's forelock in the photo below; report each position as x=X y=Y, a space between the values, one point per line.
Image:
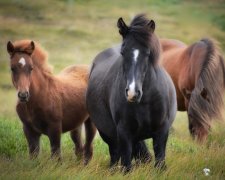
x=139 y=20
x=138 y=28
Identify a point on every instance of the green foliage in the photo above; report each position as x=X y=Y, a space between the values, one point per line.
x=220 y=21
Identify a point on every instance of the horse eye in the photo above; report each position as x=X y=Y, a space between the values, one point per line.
x=31 y=68
x=147 y=53
x=13 y=69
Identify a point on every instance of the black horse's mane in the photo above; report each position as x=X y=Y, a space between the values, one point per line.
x=138 y=28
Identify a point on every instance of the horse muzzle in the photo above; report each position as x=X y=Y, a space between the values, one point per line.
x=23 y=96
x=133 y=96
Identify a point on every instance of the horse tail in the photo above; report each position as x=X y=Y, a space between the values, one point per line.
x=206 y=102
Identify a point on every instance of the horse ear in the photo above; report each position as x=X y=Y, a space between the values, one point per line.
x=30 y=48
x=186 y=93
x=204 y=94
x=10 y=48
x=151 y=26
x=123 y=29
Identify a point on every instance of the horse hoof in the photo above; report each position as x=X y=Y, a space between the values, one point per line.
x=87 y=159
x=161 y=165
x=126 y=170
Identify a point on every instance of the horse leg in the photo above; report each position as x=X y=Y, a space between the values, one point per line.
x=159 y=145
x=54 y=135
x=141 y=152
x=33 y=140
x=125 y=144
x=114 y=154
x=113 y=150
x=90 y=131
x=76 y=137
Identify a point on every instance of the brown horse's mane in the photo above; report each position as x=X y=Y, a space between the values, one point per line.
x=204 y=110
x=39 y=55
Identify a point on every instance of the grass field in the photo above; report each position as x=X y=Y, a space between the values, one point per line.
x=73 y=32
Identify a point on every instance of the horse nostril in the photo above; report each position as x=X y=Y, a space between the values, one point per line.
x=126 y=91
x=20 y=94
x=138 y=93
x=23 y=95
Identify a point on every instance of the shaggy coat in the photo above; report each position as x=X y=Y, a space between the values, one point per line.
x=130 y=97
x=198 y=74
x=49 y=104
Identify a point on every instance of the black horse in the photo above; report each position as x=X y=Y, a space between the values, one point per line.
x=130 y=97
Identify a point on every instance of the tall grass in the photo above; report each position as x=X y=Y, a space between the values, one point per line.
x=73 y=32
x=185 y=159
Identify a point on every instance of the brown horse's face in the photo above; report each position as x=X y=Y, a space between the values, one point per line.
x=198 y=132
x=21 y=70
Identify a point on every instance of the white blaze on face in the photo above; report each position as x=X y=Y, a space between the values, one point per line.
x=136 y=53
x=131 y=90
x=22 y=61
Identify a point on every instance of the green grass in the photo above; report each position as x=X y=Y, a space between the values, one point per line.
x=73 y=32
x=185 y=159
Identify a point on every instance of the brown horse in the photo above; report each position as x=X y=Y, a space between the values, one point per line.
x=49 y=104
x=198 y=75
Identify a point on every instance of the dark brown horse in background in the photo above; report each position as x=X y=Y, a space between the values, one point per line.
x=49 y=104
x=198 y=75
